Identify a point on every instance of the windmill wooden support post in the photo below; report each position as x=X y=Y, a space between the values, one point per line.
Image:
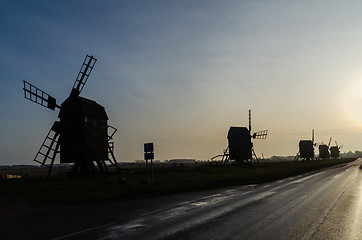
x=296 y=158
x=256 y=157
x=225 y=157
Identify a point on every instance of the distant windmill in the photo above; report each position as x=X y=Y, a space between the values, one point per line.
x=335 y=150
x=240 y=146
x=306 y=149
x=81 y=136
x=324 y=149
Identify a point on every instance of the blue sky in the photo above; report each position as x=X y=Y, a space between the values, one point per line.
x=180 y=73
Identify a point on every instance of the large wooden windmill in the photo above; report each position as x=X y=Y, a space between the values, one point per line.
x=306 y=149
x=81 y=134
x=240 y=146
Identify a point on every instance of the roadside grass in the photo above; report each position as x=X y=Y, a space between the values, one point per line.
x=131 y=183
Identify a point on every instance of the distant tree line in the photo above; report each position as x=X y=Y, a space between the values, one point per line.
x=350 y=154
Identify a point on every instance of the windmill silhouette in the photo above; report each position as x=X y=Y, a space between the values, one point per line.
x=240 y=148
x=324 y=149
x=81 y=134
x=306 y=149
x=335 y=150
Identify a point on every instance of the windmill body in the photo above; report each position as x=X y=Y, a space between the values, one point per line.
x=306 y=149
x=81 y=134
x=323 y=151
x=334 y=151
x=240 y=145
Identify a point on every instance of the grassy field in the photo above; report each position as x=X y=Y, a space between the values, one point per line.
x=131 y=183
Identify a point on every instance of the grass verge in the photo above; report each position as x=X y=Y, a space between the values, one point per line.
x=132 y=183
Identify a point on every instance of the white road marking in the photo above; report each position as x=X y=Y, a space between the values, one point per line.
x=306 y=178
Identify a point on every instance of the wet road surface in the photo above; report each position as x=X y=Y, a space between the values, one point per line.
x=321 y=205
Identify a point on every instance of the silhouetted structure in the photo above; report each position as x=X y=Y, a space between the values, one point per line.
x=324 y=150
x=240 y=145
x=306 y=149
x=240 y=148
x=81 y=136
x=335 y=150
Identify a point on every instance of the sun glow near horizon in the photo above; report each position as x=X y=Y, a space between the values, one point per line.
x=352 y=102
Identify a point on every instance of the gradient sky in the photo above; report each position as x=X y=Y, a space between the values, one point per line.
x=180 y=73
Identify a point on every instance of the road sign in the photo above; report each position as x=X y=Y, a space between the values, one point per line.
x=149 y=155
x=148 y=148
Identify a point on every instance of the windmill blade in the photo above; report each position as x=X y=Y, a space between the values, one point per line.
x=49 y=148
x=113 y=130
x=249 y=120
x=38 y=96
x=83 y=75
x=329 y=143
x=260 y=134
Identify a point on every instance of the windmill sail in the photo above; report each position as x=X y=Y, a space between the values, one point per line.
x=38 y=96
x=83 y=75
x=260 y=134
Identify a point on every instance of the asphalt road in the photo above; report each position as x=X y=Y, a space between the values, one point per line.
x=321 y=205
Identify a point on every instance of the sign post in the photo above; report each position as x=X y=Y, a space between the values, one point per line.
x=149 y=155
